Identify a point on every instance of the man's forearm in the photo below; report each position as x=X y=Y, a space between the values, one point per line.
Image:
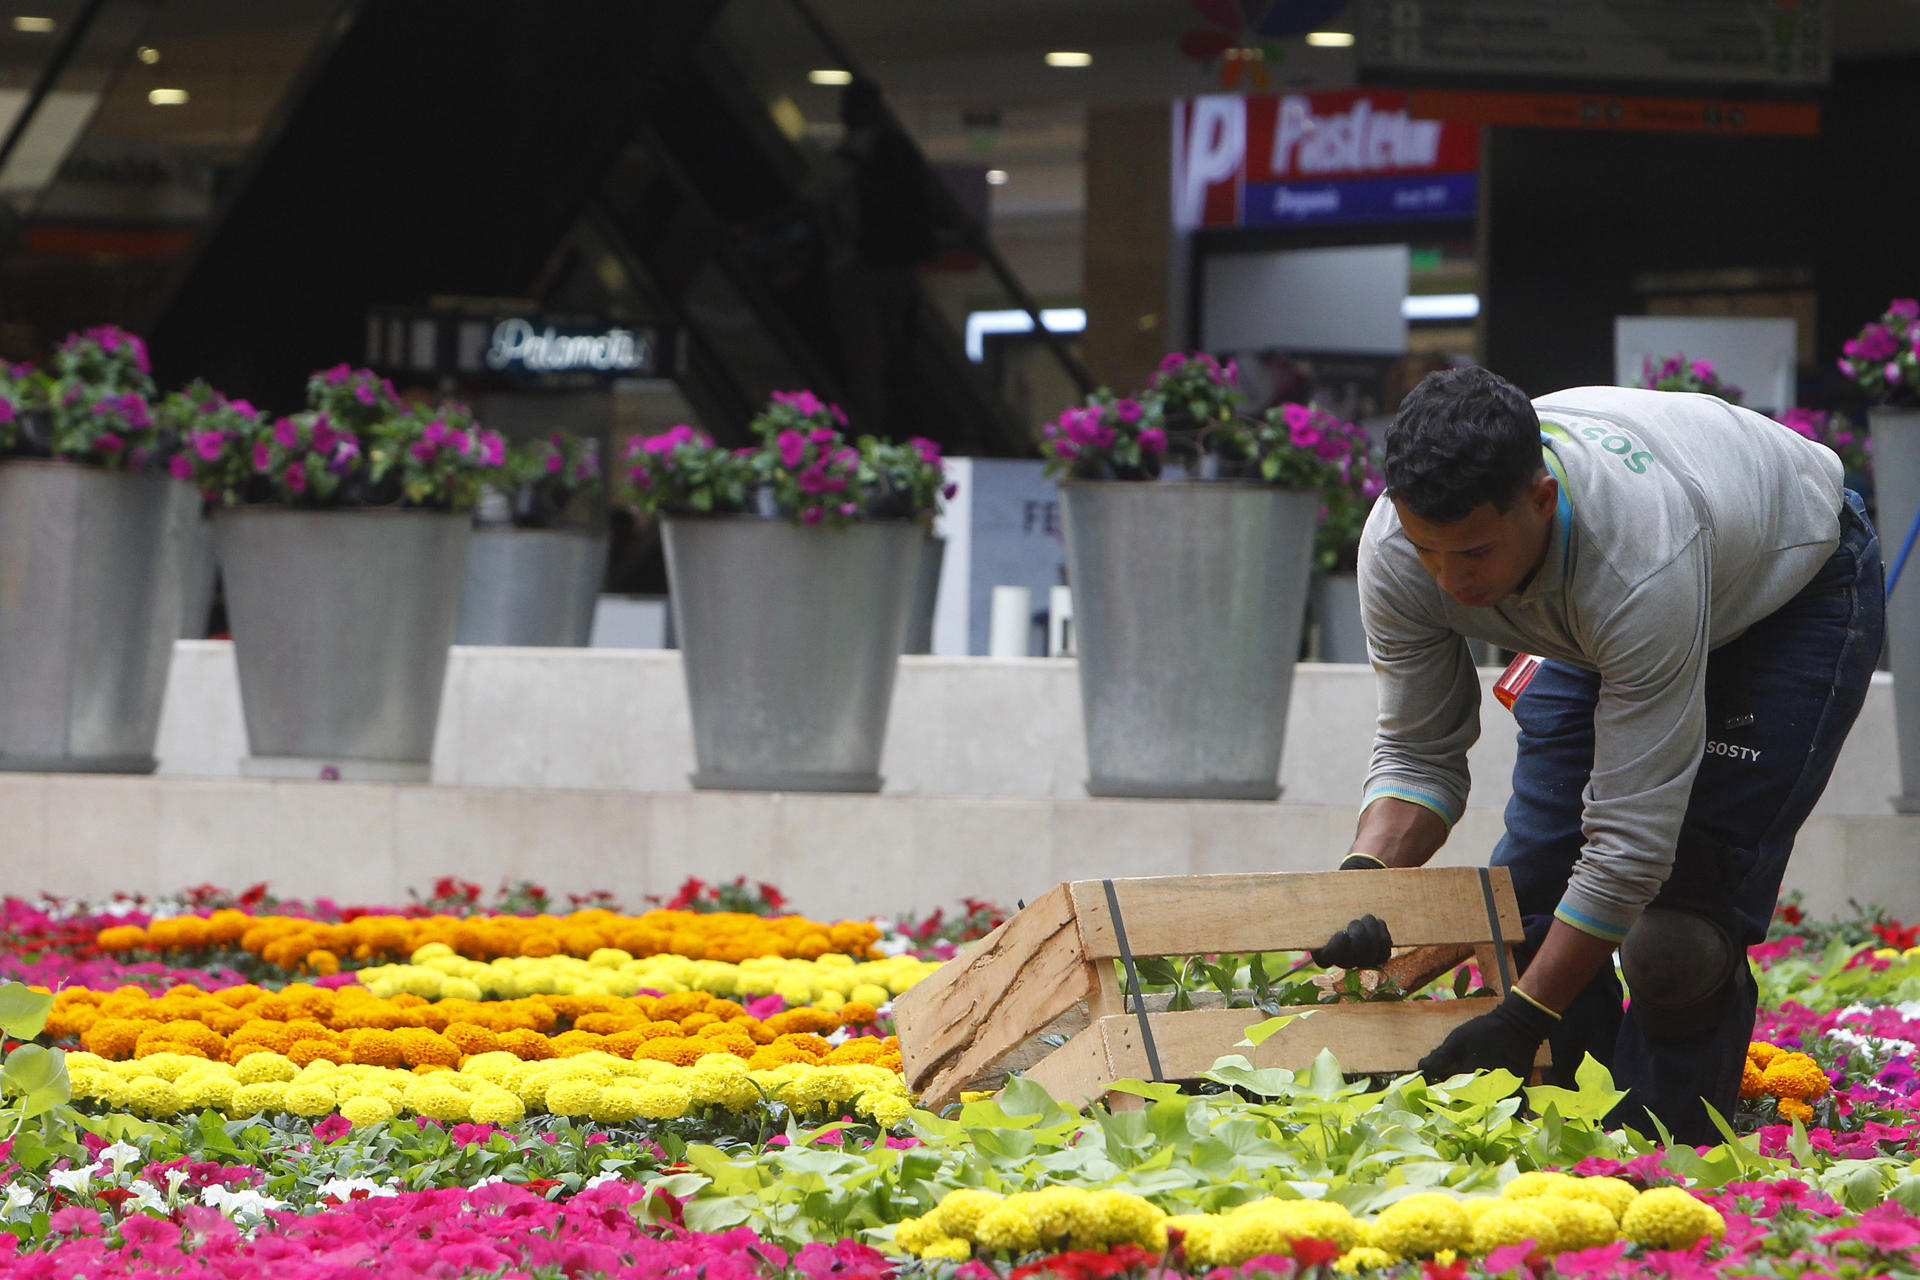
x=1565 y=963
x=1399 y=833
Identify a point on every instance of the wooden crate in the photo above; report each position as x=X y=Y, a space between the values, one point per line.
x=1058 y=952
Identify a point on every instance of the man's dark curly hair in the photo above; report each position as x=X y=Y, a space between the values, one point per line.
x=1461 y=438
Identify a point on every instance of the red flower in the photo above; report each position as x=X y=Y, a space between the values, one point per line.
x=1455 y=1270
x=1311 y=1253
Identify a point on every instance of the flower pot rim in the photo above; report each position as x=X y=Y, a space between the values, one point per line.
x=91 y=468
x=748 y=517
x=1087 y=482
x=281 y=508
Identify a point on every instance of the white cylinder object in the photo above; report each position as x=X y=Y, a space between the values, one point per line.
x=1059 y=621
x=1010 y=622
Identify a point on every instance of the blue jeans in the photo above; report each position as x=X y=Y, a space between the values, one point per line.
x=1802 y=673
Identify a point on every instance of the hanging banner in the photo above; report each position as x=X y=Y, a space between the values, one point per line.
x=1353 y=155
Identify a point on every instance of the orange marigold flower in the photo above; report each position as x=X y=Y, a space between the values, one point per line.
x=323 y=962
x=121 y=937
x=303 y=1052
x=681 y=1004
x=569 y=1043
x=1794 y=1109
x=1751 y=1085
x=1794 y=1075
x=527 y=1044
x=470 y=1037
x=375 y=1047
x=1763 y=1053
x=857 y=1013
x=540 y=944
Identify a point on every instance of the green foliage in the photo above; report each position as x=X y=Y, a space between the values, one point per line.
x=34 y=1092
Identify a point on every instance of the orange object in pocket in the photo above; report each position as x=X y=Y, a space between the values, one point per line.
x=1513 y=681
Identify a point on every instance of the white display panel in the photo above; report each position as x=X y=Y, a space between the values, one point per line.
x=1755 y=355
x=1346 y=300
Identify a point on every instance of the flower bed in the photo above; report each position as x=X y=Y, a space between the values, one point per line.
x=752 y=1121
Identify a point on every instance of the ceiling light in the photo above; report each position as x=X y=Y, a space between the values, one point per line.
x=982 y=323
x=147 y=54
x=167 y=97
x=1440 y=306
x=996 y=177
x=830 y=75
x=1330 y=39
x=40 y=25
x=1069 y=58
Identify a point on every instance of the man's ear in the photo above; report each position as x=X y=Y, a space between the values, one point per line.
x=1545 y=493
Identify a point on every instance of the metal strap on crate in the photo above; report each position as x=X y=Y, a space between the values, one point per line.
x=1493 y=931
x=1133 y=978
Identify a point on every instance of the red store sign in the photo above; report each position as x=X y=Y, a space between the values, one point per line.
x=1352 y=155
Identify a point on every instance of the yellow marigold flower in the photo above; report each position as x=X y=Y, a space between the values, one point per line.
x=1577 y=1224
x=269 y=1095
x=664 y=1101
x=572 y=1096
x=1671 y=1218
x=1202 y=1237
x=203 y=1089
x=1794 y=1075
x=1611 y=1194
x=1512 y=1221
x=1363 y=1258
x=365 y=1109
x=496 y=1106
x=1423 y=1224
x=959 y=1212
x=618 y=1103
x=888 y=1112
x=1006 y=1229
x=1539 y=1183
x=309 y=1098
x=260 y=1068
x=949 y=1248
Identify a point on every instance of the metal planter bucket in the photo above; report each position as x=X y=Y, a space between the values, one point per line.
x=92 y=564
x=790 y=638
x=1896 y=489
x=1188 y=599
x=531 y=586
x=341 y=624
x=926 y=591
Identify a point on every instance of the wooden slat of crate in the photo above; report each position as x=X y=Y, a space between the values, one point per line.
x=992 y=996
x=1384 y=1037
x=1191 y=915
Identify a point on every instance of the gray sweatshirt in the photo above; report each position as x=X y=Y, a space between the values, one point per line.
x=1682 y=522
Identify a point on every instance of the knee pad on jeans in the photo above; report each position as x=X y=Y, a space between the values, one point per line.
x=1680 y=967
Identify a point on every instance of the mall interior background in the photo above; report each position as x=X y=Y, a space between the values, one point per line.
x=268 y=188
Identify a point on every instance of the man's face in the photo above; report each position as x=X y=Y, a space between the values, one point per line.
x=1488 y=554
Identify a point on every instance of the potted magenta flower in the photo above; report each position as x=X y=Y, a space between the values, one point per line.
x=342 y=536
x=95 y=537
x=1190 y=539
x=1882 y=362
x=1677 y=373
x=791 y=566
x=538 y=552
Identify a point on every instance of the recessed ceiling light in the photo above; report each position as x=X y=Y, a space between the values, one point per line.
x=24 y=23
x=996 y=177
x=1069 y=58
x=830 y=75
x=147 y=54
x=1330 y=39
x=167 y=97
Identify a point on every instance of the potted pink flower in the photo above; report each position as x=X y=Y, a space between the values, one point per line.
x=342 y=537
x=95 y=537
x=1190 y=538
x=538 y=552
x=791 y=566
x=1882 y=362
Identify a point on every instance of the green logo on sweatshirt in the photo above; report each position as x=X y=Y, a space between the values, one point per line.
x=1609 y=438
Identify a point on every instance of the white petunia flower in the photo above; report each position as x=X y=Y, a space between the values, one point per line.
x=117 y=1155
x=245 y=1206
x=145 y=1196
x=343 y=1188
x=72 y=1181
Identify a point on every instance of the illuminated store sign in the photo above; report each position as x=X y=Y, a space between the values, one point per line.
x=1356 y=155
x=517 y=343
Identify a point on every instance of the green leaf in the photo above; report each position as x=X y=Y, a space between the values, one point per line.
x=1485 y=1089
x=716 y=1214
x=1591 y=1101
x=39 y=1076
x=23 y=1011
x=1260 y=1032
x=1269 y=1082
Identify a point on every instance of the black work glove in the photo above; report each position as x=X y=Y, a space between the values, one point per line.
x=1508 y=1037
x=1364 y=943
